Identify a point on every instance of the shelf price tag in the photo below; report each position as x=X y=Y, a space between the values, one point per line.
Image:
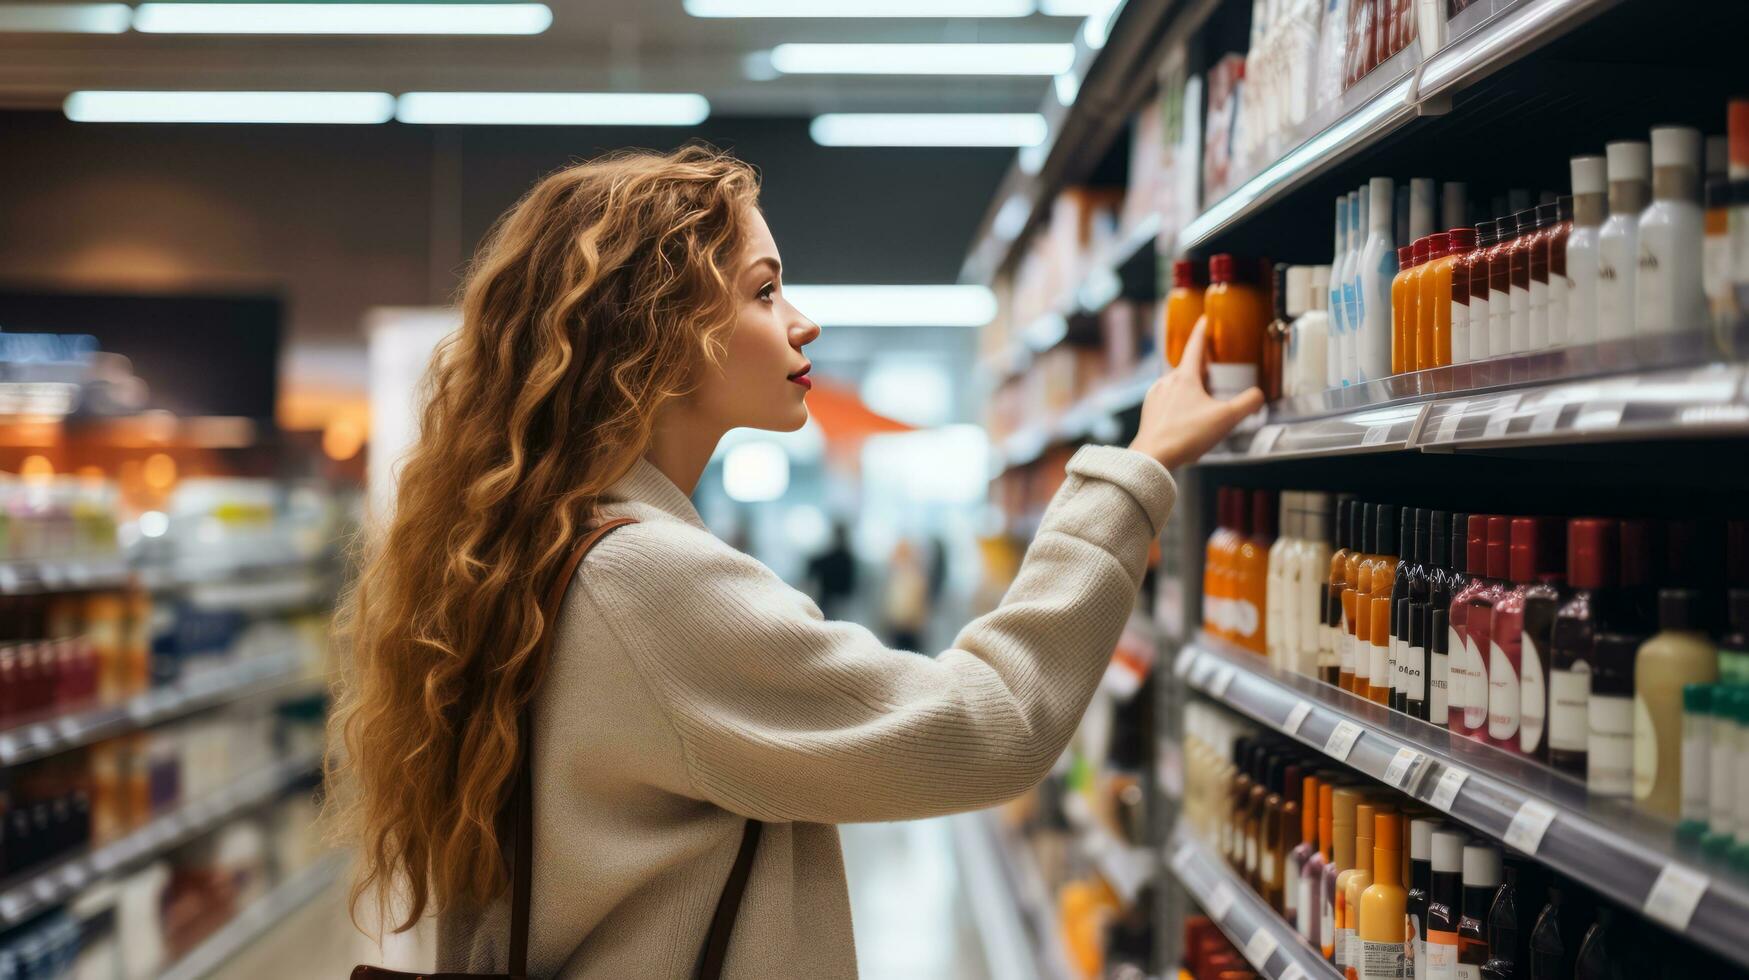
x=1376 y=435
x=1501 y=417
x=1675 y=894
x=1601 y=415
x=1341 y=740
x=1222 y=680
x=1446 y=790
x=1180 y=862
x=1529 y=824
x=1264 y=441
x=1220 y=901
x=1448 y=424
x=1186 y=657
x=1402 y=764
x=1545 y=419
x=1261 y=947
x=1296 y=718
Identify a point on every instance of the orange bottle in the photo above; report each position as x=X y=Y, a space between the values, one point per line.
x=1460 y=242
x=1213 y=611
x=1420 y=255
x=1358 y=557
x=1433 y=312
x=1336 y=634
x=1183 y=308
x=1223 y=580
x=1237 y=310
x=1252 y=578
x=1378 y=607
x=1400 y=310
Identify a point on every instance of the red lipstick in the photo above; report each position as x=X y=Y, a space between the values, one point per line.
x=801 y=378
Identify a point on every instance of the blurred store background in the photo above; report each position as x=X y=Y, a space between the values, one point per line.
x=229 y=236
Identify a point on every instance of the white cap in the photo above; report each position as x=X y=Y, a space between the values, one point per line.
x=1629 y=160
x=1448 y=850
x=1299 y=283
x=1717 y=156
x=1320 y=277
x=1588 y=175
x=1481 y=866
x=1676 y=146
x=1421 y=839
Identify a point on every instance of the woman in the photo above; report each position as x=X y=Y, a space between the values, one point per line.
x=621 y=318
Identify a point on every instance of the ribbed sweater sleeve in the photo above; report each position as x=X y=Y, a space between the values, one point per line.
x=782 y=715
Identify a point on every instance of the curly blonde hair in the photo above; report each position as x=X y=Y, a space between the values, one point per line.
x=594 y=300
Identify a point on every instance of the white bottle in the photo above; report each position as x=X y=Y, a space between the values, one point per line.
x=1274 y=581
x=1560 y=286
x=1590 y=207
x=1313 y=561
x=1312 y=332
x=1351 y=299
x=1338 y=324
x=1454 y=207
x=1332 y=49
x=1669 y=292
x=1500 y=300
x=1518 y=295
x=1299 y=283
x=1378 y=265
x=1630 y=170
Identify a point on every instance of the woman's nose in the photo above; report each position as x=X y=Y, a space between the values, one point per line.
x=804 y=332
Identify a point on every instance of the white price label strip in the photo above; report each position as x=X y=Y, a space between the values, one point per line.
x=1402 y=764
x=1341 y=741
x=1602 y=415
x=1261 y=947
x=1293 y=972
x=1448 y=425
x=1264 y=440
x=1186 y=657
x=1543 y=422
x=1376 y=435
x=1296 y=718
x=1501 y=417
x=1223 y=679
x=1529 y=824
x=1220 y=902
x=1446 y=790
x=1675 y=894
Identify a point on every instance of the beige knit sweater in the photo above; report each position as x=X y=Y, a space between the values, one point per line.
x=691 y=688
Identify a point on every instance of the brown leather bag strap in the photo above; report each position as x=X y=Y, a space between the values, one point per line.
x=522 y=865
x=716 y=943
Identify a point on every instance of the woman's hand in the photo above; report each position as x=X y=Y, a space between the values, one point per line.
x=1180 y=421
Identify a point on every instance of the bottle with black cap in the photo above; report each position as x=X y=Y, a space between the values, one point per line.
x=1679 y=653
x=1503 y=929
x=1378 y=607
x=1398 y=628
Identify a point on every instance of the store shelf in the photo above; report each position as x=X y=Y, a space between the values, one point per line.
x=29 y=894
x=31 y=577
x=1023 y=885
x=1274 y=949
x=1623 y=854
x=995 y=906
x=49 y=736
x=1125 y=867
x=257 y=919
x=1501 y=407
x=1093 y=417
x=1390 y=97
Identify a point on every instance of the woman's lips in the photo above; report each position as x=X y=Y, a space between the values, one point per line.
x=801 y=378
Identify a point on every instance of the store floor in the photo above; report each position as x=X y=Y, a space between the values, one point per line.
x=913 y=920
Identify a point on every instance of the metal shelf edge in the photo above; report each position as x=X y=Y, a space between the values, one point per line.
x=1244 y=916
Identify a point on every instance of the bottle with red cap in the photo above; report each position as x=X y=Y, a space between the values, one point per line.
x=1183 y=308
x=1487 y=551
x=1519 y=636
x=1449 y=248
x=1402 y=309
x=1236 y=310
x=1592 y=546
x=1537 y=255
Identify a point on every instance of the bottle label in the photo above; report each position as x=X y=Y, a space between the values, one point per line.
x=1416 y=949
x=1439 y=666
x=1251 y=854
x=1559 y=287
x=1379 y=673
x=1569 y=698
x=1741 y=765
x=1460 y=329
x=1721 y=796
x=1231 y=380
x=1472 y=679
x=1266 y=869
x=1503 y=697
x=1290 y=895
x=1413 y=679
x=1533 y=696
x=1649 y=289
x=1344 y=939
x=1442 y=956
x=1345 y=643
x=1381 y=961
x=1609 y=751
x=1696 y=768
x=1539 y=314
x=1245 y=618
x=1326 y=922
x=1303 y=915
x=1519 y=303
x=1468 y=971
x=1645 y=749
x=1499 y=324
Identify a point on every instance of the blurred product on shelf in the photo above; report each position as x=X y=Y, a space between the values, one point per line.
x=1184 y=306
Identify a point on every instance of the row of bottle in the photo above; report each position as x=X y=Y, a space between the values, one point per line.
x=1545 y=637
x=1384 y=887
x=66 y=650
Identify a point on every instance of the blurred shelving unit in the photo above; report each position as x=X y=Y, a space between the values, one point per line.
x=1080 y=236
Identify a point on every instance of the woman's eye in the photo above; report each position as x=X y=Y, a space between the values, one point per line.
x=766 y=291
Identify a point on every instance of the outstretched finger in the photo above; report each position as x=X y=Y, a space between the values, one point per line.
x=1245 y=403
x=1192 y=358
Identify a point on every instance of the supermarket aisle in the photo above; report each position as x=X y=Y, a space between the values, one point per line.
x=913 y=920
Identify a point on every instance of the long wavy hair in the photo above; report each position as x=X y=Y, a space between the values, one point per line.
x=596 y=299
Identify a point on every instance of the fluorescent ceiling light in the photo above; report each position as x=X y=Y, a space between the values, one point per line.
x=923 y=59
x=231 y=107
x=553 y=108
x=343 y=18
x=894 y=306
x=928 y=129
x=1097 y=28
x=64 y=18
x=859 y=8
x=1067 y=86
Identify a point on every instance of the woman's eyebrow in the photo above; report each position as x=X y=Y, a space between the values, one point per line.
x=776 y=266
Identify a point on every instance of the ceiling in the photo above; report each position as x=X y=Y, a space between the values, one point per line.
x=593 y=45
